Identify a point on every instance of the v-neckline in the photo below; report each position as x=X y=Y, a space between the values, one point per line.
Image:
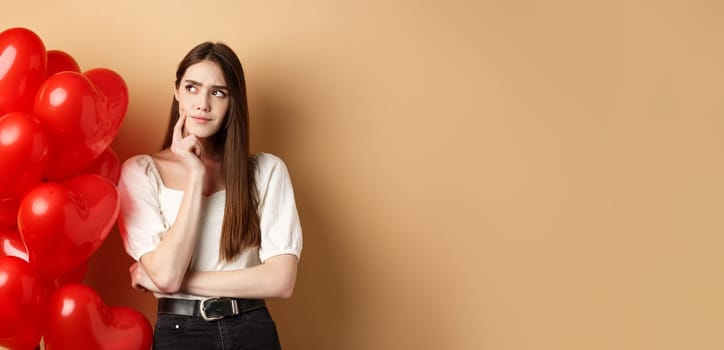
x=157 y=173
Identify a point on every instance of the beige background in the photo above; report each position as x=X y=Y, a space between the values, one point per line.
x=469 y=174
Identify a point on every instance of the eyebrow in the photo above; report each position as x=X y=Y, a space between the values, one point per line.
x=196 y=83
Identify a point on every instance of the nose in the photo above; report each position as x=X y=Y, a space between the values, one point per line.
x=202 y=103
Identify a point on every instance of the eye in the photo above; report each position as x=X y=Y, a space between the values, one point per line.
x=219 y=93
x=190 y=88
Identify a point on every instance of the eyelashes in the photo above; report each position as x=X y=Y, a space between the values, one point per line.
x=216 y=92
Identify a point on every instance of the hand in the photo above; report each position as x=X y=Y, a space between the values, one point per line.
x=188 y=149
x=140 y=280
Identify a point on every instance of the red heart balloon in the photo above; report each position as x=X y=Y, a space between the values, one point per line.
x=22 y=69
x=106 y=165
x=9 y=214
x=60 y=61
x=23 y=154
x=115 y=92
x=62 y=225
x=79 y=319
x=11 y=244
x=21 y=299
x=82 y=114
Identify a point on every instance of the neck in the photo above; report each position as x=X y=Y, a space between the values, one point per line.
x=212 y=154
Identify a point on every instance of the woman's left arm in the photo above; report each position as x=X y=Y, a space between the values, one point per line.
x=275 y=278
x=281 y=244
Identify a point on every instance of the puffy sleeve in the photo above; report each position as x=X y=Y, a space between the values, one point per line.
x=141 y=221
x=281 y=232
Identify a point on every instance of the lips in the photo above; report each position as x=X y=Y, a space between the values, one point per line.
x=201 y=119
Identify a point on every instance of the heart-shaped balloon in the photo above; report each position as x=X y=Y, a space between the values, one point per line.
x=62 y=225
x=11 y=244
x=23 y=154
x=77 y=318
x=22 y=294
x=106 y=165
x=115 y=92
x=23 y=63
x=82 y=114
x=60 y=61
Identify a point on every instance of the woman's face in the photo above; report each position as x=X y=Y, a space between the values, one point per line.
x=203 y=97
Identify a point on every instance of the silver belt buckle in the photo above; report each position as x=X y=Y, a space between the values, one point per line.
x=202 y=309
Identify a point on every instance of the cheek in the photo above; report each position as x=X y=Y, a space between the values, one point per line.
x=223 y=107
x=180 y=103
x=184 y=97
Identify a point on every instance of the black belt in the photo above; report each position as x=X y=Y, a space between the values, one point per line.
x=209 y=309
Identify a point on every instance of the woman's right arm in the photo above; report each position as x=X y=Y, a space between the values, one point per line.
x=167 y=264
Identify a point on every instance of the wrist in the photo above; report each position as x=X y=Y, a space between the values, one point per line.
x=196 y=175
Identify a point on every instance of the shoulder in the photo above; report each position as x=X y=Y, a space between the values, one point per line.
x=270 y=168
x=141 y=162
x=267 y=164
x=265 y=160
x=146 y=162
x=141 y=168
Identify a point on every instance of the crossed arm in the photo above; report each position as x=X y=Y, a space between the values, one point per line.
x=275 y=278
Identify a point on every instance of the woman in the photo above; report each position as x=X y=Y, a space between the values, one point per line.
x=214 y=230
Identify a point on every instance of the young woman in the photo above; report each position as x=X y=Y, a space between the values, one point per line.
x=214 y=229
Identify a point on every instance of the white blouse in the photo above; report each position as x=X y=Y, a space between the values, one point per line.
x=149 y=208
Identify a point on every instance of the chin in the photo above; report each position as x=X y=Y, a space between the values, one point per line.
x=202 y=134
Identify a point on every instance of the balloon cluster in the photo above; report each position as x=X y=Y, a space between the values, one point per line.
x=58 y=198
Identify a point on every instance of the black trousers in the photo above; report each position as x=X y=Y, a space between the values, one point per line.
x=251 y=330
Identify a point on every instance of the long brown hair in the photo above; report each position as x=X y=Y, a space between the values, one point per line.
x=240 y=228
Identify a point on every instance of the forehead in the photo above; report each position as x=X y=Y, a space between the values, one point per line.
x=205 y=72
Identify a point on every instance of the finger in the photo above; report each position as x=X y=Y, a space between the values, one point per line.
x=197 y=148
x=139 y=287
x=191 y=144
x=178 y=128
